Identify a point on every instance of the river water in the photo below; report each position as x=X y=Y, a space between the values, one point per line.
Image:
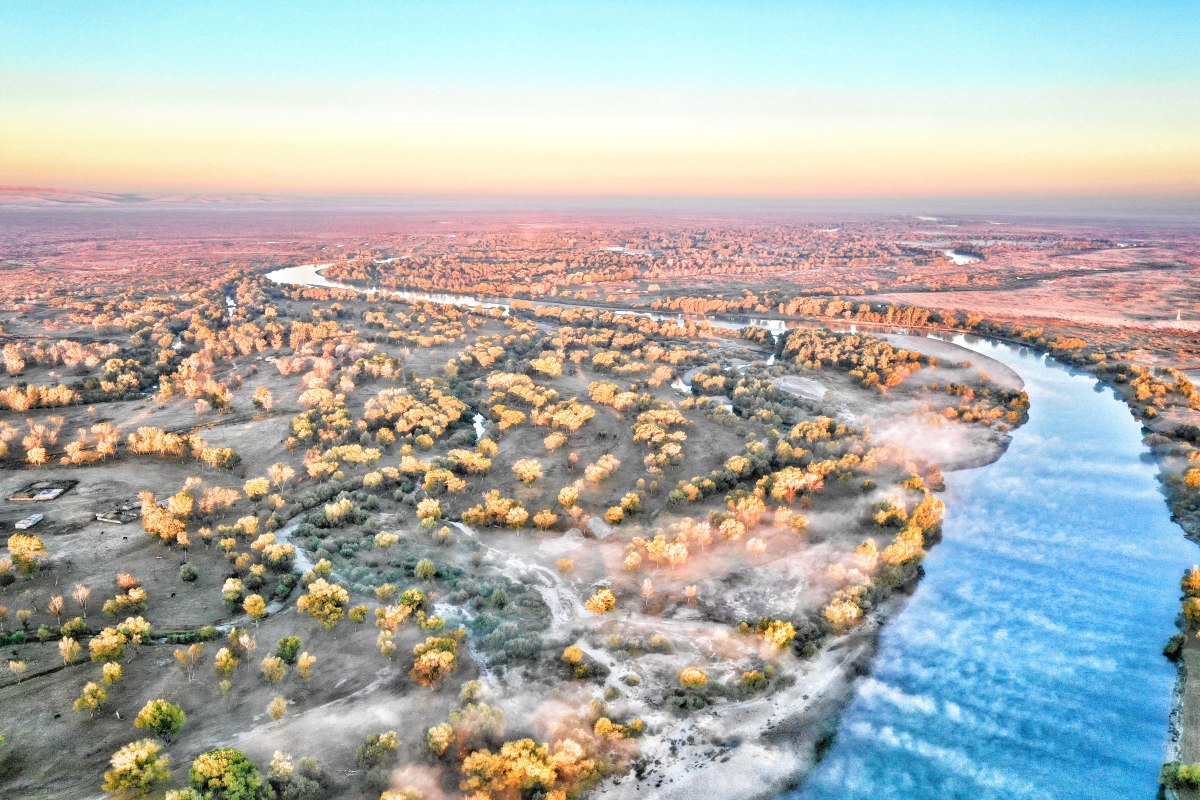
x=1027 y=663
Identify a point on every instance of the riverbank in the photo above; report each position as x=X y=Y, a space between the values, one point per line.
x=771 y=743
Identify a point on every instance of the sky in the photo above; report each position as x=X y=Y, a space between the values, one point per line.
x=609 y=99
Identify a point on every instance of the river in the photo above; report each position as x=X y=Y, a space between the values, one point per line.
x=1027 y=663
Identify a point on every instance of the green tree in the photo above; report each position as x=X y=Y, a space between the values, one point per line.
x=226 y=774
x=163 y=718
x=288 y=648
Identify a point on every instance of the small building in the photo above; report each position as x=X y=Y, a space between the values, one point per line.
x=30 y=521
x=118 y=512
x=41 y=491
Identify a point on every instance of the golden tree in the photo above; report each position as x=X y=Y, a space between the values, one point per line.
x=602 y=602
x=27 y=551
x=324 y=602
x=527 y=470
x=304 y=665
x=277 y=708
x=434 y=660
x=91 y=699
x=274 y=669
x=189 y=659
x=136 y=768
x=692 y=678
x=69 y=649
x=256 y=607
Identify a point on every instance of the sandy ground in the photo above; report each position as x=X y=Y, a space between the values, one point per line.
x=1000 y=374
x=754 y=748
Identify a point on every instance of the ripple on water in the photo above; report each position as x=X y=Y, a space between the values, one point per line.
x=1028 y=662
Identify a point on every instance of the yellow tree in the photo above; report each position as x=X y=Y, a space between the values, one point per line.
x=189 y=659
x=434 y=659
x=69 y=649
x=27 y=551
x=602 y=602
x=692 y=678
x=256 y=607
x=136 y=768
x=324 y=602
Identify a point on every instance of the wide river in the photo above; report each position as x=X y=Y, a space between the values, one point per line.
x=1028 y=662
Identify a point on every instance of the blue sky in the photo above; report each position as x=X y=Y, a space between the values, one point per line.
x=787 y=68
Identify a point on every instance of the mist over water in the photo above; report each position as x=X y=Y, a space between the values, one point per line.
x=1028 y=663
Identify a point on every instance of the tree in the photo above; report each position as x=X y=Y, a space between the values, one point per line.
x=407 y=793
x=434 y=659
x=183 y=794
x=69 y=649
x=256 y=607
x=107 y=645
x=274 y=669
x=256 y=488
x=92 y=698
x=602 y=602
x=429 y=511
x=778 y=632
x=692 y=678
x=225 y=774
x=324 y=602
x=161 y=717
x=1192 y=478
x=189 y=659
x=377 y=748
x=27 y=551
x=277 y=708
x=262 y=398
x=522 y=768
x=288 y=648
x=225 y=662
x=55 y=607
x=527 y=470
x=304 y=665
x=136 y=767
x=80 y=595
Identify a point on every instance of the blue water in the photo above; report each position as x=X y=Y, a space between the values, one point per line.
x=1028 y=663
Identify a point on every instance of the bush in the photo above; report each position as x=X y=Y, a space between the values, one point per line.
x=1175 y=775
x=1174 y=647
x=285 y=586
x=188 y=573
